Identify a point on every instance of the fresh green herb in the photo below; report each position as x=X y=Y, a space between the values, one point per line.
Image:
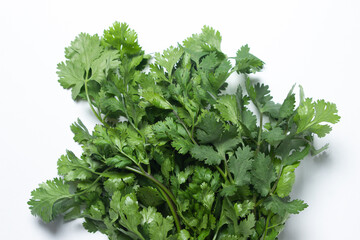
x=173 y=155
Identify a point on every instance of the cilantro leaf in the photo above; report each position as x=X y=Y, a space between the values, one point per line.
x=170 y=130
x=118 y=161
x=206 y=153
x=84 y=64
x=311 y=114
x=228 y=108
x=240 y=165
x=287 y=108
x=73 y=168
x=173 y=156
x=199 y=45
x=117 y=181
x=209 y=129
x=169 y=58
x=246 y=62
x=274 y=136
x=286 y=180
x=246 y=226
x=81 y=133
x=157 y=224
x=243 y=209
x=263 y=174
x=283 y=206
x=45 y=197
x=122 y=38
x=127 y=209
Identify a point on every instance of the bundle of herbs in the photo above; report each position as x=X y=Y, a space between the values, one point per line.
x=173 y=155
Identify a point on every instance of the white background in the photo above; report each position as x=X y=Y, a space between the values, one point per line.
x=312 y=43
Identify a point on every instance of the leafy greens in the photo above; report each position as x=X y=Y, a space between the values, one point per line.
x=173 y=156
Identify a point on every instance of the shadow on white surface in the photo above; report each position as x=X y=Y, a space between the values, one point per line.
x=310 y=169
x=57 y=226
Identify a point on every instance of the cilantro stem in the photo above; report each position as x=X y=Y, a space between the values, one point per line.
x=259 y=135
x=167 y=194
x=183 y=124
x=136 y=129
x=172 y=209
x=227 y=171
x=275 y=225
x=266 y=226
x=277 y=181
x=222 y=173
x=91 y=105
x=96 y=180
x=154 y=180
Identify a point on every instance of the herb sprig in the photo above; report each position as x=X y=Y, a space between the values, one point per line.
x=173 y=155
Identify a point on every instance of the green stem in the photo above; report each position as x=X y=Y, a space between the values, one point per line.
x=91 y=105
x=183 y=124
x=259 y=202
x=167 y=194
x=222 y=173
x=154 y=180
x=260 y=132
x=275 y=225
x=172 y=209
x=266 y=227
x=136 y=129
x=227 y=171
x=277 y=181
x=96 y=180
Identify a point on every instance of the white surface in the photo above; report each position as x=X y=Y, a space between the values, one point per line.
x=312 y=43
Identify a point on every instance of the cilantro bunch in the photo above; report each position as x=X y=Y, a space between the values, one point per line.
x=173 y=156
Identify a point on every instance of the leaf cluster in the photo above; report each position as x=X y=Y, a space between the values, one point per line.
x=173 y=156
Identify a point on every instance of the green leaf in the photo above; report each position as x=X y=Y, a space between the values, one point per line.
x=87 y=60
x=246 y=62
x=118 y=161
x=169 y=58
x=211 y=39
x=199 y=45
x=274 y=136
x=149 y=196
x=228 y=141
x=127 y=209
x=314 y=151
x=228 y=190
x=244 y=208
x=122 y=38
x=231 y=237
x=246 y=226
x=73 y=168
x=240 y=165
x=206 y=153
x=209 y=62
x=282 y=206
x=287 y=108
x=310 y=116
x=97 y=210
x=81 y=133
x=296 y=156
x=286 y=180
x=48 y=194
x=158 y=225
x=117 y=181
x=260 y=96
x=263 y=174
x=155 y=98
x=170 y=130
x=228 y=108
x=183 y=235
x=209 y=129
